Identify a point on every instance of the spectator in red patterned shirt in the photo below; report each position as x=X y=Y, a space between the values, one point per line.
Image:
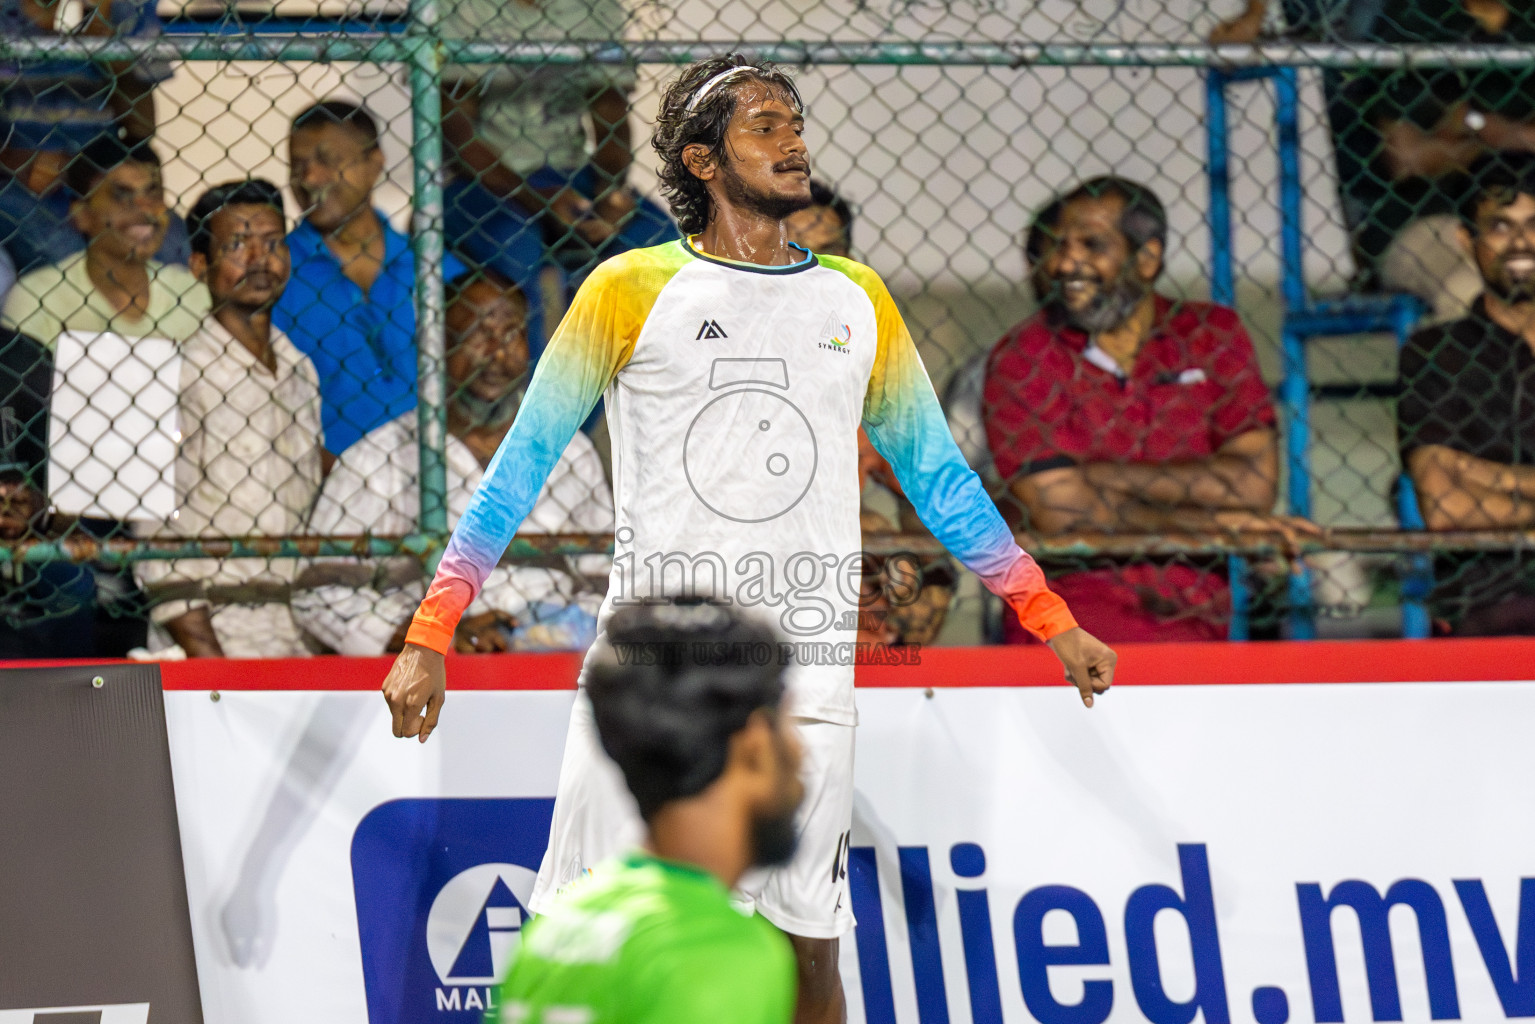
x=1117 y=410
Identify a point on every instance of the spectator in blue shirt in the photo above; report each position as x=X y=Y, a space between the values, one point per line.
x=538 y=158
x=350 y=305
x=52 y=109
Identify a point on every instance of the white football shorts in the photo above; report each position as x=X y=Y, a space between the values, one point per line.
x=595 y=818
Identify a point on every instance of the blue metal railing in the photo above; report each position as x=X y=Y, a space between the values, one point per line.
x=1302 y=316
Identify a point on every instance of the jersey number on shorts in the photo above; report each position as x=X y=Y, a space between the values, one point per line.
x=839 y=862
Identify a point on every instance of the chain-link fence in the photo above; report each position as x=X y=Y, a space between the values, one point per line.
x=277 y=274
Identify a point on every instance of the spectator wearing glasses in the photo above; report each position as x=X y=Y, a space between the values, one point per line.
x=116 y=284
x=1117 y=410
x=249 y=459
x=1466 y=416
x=52 y=109
x=1406 y=139
x=364 y=608
x=350 y=306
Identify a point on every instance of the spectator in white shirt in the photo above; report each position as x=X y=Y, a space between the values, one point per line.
x=364 y=608
x=249 y=463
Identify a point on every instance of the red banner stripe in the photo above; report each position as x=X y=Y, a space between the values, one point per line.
x=1344 y=661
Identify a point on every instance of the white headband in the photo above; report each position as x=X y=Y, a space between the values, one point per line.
x=709 y=86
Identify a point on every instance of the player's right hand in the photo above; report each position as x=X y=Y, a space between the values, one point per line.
x=415 y=689
x=1089 y=662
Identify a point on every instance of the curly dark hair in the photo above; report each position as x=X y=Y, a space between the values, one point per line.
x=671 y=684
x=678 y=127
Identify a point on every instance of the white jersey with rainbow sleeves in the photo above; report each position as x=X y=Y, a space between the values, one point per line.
x=734 y=396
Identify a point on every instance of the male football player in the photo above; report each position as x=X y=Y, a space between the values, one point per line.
x=737 y=368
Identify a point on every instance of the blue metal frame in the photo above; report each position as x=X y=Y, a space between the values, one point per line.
x=1223 y=291
x=1418 y=580
x=1302 y=319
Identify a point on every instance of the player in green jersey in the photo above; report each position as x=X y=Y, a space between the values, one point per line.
x=689 y=709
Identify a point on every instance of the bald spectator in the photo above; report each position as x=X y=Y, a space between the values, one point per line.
x=1117 y=410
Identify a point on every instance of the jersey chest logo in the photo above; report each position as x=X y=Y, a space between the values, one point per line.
x=836 y=335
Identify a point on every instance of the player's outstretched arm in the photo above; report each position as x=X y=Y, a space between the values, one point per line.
x=907 y=426
x=415 y=689
x=593 y=342
x=1089 y=662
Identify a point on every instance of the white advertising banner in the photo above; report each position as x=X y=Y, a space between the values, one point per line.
x=1268 y=853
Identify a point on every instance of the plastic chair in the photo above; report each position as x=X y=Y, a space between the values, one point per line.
x=1303 y=317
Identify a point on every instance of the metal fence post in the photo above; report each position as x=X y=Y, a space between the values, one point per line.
x=427 y=242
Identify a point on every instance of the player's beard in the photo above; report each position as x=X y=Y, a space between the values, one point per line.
x=773 y=207
x=774 y=838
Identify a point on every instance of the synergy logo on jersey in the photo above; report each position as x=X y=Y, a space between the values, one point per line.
x=836 y=334
x=711 y=329
x=442 y=889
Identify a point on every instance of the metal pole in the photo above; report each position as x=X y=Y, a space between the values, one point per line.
x=1291 y=195
x=388 y=47
x=1217 y=169
x=535 y=545
x=1296 y=387
x=427 y=240
x=1223 y=288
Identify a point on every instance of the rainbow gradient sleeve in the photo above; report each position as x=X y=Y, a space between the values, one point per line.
x=902 y=417
x=591 y=345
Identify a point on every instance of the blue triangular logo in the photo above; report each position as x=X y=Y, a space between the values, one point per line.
x=474 y=958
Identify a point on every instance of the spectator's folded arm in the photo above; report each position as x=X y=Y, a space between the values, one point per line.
x=1060 y=498
x=1459 y=491
x=1243 y=474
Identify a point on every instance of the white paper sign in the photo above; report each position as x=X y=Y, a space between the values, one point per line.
x=114 y=427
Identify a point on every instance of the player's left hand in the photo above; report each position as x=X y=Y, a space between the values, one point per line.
x=415 y=688
x=1089 y=662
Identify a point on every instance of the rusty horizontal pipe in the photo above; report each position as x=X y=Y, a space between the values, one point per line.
x=121 y=550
